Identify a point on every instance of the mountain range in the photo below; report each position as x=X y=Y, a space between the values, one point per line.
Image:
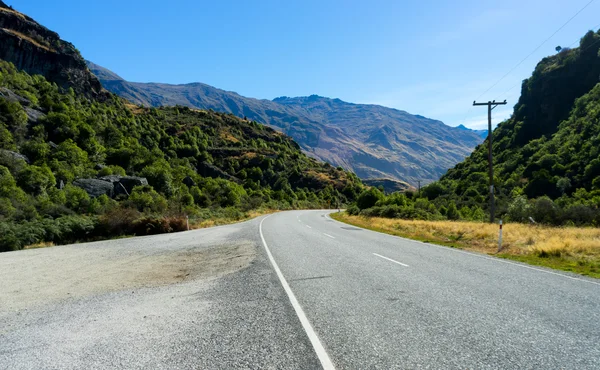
x=373 y=141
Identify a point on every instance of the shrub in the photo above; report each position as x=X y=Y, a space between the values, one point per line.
x=117 y=221
x=368 y=198
x=146 y=199
x=545 y=211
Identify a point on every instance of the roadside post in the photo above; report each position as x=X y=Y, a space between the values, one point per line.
x=187 y=222
x=500 y=237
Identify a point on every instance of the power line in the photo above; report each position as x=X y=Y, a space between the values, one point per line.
x=536 y=49
x=579 y=39
x=582 y=50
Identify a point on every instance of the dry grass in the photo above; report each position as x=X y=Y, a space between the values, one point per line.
x=566 y=248
x=229 y=137
x=12 y=11
x=135 y=109
x=27 y=38
x=40 y=245
x=227 y=221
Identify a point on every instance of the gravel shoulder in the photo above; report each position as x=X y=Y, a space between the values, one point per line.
x=41 y=276
x=201 y=299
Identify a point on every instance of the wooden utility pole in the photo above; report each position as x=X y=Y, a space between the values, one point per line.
x=491 y=105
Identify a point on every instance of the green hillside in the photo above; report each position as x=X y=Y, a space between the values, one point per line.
x=142 y=169
x=546 y=156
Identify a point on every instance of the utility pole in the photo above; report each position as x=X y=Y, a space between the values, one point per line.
x=491 y=105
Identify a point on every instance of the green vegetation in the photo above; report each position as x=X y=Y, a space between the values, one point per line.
x=196 y=163
x=546 y=156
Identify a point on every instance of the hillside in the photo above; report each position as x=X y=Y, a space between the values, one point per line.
x=78 y=163
x=370 y=140
x=546 y=156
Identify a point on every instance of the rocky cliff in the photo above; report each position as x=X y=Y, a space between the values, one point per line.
x=37 y=50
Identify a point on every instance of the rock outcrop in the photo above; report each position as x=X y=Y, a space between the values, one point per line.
x=37 y=50
x=95 y=187
x=112 y=185
x=124 y=184
x=14 y=155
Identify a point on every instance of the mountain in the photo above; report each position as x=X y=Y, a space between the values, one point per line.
x=80 y=163
x=389 y=186
x=35 y=49
x=370 y=140
x=482 y=133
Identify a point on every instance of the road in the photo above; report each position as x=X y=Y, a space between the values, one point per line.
x=317 y=293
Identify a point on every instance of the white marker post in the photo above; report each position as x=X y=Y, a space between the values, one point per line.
x=500 y=238
x=187 y=222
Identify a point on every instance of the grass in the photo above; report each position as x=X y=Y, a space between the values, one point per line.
x=218 y=221
x=570 y=249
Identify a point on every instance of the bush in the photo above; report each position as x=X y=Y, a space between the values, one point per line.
x=117 y=221
x=146 y=199
x=545 y=211
x=452 y=213
x=368 y=198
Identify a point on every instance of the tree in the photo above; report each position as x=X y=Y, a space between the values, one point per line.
x=452 y=212
x=368 y=198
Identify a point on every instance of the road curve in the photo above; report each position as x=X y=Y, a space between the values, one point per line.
x=317 y=293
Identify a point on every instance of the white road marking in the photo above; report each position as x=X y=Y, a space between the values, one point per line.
x=473 y=254
x=310 y=332
x=329 y=236
x=389 y=259
x=309 y=227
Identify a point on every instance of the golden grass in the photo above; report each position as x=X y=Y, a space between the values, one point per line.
x=227 y=221
x=40 y=245
x=13 y=12
x=135 y=109
x=566 y=248
x=229 y=137
x=27 y=38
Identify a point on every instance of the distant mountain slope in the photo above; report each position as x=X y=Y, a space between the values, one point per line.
x=373 y=141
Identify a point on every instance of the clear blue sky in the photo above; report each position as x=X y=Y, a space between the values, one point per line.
x=428 y=57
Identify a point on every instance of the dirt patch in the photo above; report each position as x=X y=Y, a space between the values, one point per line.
x=35 y=277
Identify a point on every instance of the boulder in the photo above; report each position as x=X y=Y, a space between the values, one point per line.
x=124 y=184
x=95 y=187
x=99 y=167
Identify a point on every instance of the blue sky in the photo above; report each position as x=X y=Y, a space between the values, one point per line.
x=427 y=57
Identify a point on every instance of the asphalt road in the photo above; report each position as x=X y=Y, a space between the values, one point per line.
x=319 y=294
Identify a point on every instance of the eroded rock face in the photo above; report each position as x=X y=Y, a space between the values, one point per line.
x=37 y=50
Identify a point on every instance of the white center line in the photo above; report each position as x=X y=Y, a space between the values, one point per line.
x=326 y=362
x=309 y=227
x=389 y=259
x=329 y=236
